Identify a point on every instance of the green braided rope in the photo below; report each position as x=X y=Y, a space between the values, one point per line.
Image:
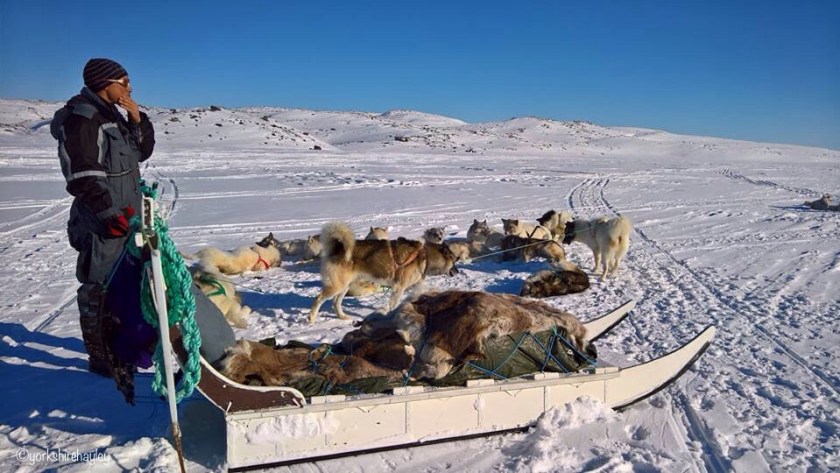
x=180 y=307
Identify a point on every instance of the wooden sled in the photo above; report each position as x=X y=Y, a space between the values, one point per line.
x=272 y=426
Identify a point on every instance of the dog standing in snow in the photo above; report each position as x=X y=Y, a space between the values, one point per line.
x=608 y=238
x=399 y=263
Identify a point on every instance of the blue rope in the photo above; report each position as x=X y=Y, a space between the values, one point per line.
x=574 y=349
x=510 y=355
x=549 y=352
x=413 y=364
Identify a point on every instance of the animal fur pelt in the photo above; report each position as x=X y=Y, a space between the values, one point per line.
x=608 y=238
x=223 y=295
x=399 y=264
x=448 y=328
x=823 y=203
x=526 y=230
x=263 y=255
x=377 y=341
x=565 y=279
x=250 y=362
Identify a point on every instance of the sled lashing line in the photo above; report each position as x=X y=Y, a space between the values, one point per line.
x=272 y=426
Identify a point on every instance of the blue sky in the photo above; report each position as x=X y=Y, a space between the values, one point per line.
x=756 y=70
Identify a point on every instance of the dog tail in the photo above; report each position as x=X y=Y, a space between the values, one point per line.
x=338 y=241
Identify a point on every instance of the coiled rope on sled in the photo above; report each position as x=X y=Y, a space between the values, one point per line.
x=180 y=305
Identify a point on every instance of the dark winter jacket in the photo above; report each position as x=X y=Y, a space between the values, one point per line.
x=100 y=152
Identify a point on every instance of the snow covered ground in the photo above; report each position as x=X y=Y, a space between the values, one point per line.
x=721 y=238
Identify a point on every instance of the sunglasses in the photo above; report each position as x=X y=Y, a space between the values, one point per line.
x=123 y=82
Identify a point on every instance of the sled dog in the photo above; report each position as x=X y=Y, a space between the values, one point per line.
x=223 y=295
x=526 y=230
x=440 y=260
x=556 y=222
x=566 y=278
x=265 y=254
x=377 y=233
x=303 y=249
x=434 y=235
x=482 y=236
x=526 y=249
x=823 y=203
x=608 y=238
x=399 y=264
x=462 y=249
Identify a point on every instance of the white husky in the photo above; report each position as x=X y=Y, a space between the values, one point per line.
x=608 y=238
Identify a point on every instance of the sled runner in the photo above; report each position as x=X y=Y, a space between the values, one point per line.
x=278 y=425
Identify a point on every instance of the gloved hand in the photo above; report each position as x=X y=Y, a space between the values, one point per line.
x=117 y=226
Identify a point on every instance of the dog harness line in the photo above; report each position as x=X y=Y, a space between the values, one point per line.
x=260 y=260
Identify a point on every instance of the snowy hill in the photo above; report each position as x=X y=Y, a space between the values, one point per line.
x=721 y=238
x=266 y=129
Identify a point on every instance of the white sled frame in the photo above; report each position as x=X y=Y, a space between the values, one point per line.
x=322 y=427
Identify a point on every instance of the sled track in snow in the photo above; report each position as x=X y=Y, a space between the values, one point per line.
x=590 y=194
x=762 y=182
x=733 y=306
x=56 y=209
x=685 y=283
x=585 y=193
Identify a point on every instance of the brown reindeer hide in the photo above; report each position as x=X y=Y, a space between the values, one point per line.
x=250 y=362
x=450 y=327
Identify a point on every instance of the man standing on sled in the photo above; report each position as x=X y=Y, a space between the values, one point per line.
x=100 y=152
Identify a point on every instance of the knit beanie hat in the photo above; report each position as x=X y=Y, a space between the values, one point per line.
x=99 y=70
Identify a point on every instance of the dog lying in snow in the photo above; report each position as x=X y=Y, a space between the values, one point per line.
x=565 y=278
x=608 y=238
x=482 y=238
x=303 y=249
x=434 y=235
x=526 y=230
x=526 y=249
x=823 y=203
x=223 y=295
x=263 y=255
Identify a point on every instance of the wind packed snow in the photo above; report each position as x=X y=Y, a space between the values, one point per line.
x=293 y=426
x=721 y=238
